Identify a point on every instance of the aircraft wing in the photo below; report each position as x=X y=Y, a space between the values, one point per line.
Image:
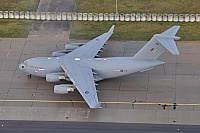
x=82 y=78
x=91 y=48
x=80 y=75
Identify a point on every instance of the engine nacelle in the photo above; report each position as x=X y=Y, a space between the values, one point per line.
x=55 y=77
x=57 y=54
x=72 y=46
x=63 y=88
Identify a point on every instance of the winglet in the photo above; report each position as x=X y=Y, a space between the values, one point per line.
x=111 y=29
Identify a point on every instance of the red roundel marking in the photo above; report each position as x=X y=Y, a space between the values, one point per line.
x=121 y=70
x=87 y=92
x=151 y=49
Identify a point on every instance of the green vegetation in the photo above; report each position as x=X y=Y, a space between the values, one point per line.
x=12 y=27
x=135 y=30
x=139 y=6
x=19 y=5
x=15 y=28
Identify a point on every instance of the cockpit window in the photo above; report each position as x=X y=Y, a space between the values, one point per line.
x=25 y=63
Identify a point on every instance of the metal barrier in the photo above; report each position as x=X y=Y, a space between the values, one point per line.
x=153 y=17
x=159 y=17
x=101 y=16
x=1 y=14
x=69 y=16
x=116 y=17
x=96 y=16
x=5 y=14
x=170 y=17
x=132 y=16
x=187 y=17
x=64 y=16
x=181 y=17
x=121 y=17
x=38 y=16
x=175 y=19
x=11 y=14
x=32 y=15
x=127 y=17
x=73 y=16
x=148 y=17
x=112 y=16
x=22 y=15
x=43 y=16
x=16 y=14
x=164 y=17
x=59 y=16
x=106 y=17
x=192 y=17
x=48 y=16
x=143 y=17
x=80 y=16
x=90 y=16
x=197 y=17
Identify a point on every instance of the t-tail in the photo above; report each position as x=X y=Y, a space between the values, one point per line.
x=158 y=44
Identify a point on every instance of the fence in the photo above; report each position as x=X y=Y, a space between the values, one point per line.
x=72 y=16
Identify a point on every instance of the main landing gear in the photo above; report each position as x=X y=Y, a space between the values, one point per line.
x=29 y=75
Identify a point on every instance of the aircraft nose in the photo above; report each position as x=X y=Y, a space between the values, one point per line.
x=21 y=66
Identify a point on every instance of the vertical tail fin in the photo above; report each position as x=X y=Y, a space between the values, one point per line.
x=158 y=44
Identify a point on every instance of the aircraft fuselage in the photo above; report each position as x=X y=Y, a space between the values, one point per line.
x=103 y=68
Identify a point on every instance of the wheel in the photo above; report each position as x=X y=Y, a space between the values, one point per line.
x=29 y=75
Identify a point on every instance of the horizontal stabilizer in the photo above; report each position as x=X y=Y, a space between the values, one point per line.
x=171 y=31
x=147 y=69
x=170 y=45
x=168 y=40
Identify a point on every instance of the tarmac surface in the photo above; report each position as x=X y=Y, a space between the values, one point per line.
x=46 y=28
x=177 y=81
x=83 y=127
x=147 y=97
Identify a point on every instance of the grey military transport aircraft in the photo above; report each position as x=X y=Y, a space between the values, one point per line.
x=77 y=64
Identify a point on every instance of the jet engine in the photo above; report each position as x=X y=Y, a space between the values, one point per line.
x=72 y=46
x=68 y=48
x=63 y=88
x=58 y=53
x=55 y=77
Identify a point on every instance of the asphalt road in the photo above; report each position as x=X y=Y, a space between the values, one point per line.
x=85 y=127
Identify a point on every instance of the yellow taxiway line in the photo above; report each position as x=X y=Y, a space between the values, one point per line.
x=131 y=103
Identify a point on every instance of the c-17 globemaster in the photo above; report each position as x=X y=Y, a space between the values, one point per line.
x=77 y=64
